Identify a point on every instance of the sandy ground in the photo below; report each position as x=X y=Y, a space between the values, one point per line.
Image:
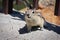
x=12 y=27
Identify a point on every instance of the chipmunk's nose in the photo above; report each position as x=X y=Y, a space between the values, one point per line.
x=28 y=15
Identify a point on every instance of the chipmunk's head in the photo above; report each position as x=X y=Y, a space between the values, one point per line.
x=30 y=13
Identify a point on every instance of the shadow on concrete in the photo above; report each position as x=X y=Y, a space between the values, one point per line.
x=23 y=30
x=53 y=27
x=17 y=14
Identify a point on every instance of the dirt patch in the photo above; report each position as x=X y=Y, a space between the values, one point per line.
x=48 y=14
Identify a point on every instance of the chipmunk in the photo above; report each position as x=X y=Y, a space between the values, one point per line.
x=34 y=18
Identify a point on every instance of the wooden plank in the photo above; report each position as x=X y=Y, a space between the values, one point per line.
x=35 y=4
x=57 y=8
x=10 y=6
x=5 y=6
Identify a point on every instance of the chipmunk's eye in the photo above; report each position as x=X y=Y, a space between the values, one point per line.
x=33 y=12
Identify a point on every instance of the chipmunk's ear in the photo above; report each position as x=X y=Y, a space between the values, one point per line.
x=26 y=12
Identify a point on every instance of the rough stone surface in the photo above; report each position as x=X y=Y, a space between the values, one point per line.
x=12 y=28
